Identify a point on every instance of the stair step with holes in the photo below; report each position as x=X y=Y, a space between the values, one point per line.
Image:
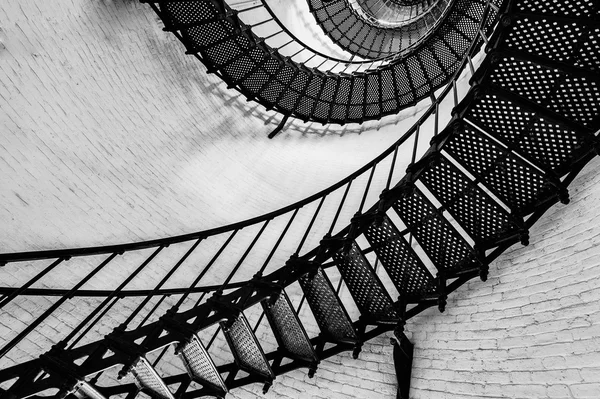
x=330 y=314
x=486 y=222
x=200 y=366
x=516 y=183
x=445 y=247
x=406 y=270
x=288 y=329
x=367 y=290
x=148 y=380
x=546 y=144
x=246 y=350
x=82 y=389
x=573 y=98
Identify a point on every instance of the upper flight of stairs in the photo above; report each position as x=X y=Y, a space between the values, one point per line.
x=356 y=30
x=526 y=128
x=214 y=33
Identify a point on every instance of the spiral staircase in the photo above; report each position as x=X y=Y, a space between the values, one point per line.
x=514 y=143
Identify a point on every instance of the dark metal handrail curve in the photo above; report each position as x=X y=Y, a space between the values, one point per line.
x=309 y=48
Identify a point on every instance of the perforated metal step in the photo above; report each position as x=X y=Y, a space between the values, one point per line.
x=572 y=97
x=548 y=145
x=331 y=316
x=444 y=246
x=406 y=270
x=366 y=289
x=288 y=329
x=246 y=350
x=200 y=366
x=479 y=215
x=148 y=380
x=84 y=390
x=516 y=183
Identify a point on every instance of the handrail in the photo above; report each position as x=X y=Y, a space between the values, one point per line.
x=66 y=254
x=356 y=5
x=412 y=46
x=344 y=63
x=309 y=48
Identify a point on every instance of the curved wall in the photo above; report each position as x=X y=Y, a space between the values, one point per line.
x=111 y=134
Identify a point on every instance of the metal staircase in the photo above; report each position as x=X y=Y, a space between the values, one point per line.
x=514 y=143
x=269 y=65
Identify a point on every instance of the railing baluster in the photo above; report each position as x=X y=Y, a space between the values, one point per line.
x=160 y=355
x=436 y=119
x=114 y=294
x=160 y=284
x=310 y=225
x=415 y=145
x=392 y=167
x=237 y=266
x=289 y=223
x=204 y=271
x=213 y=337
x=258 y=322
x=337 y=213
x=55 y=306
x=364 y=198
x=483 y=37
x=151 y=312
x=92 y=324
x=7 y=299
x=455 y=92
x=471 y=67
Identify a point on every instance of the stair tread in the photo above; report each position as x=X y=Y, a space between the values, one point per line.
x=481 y=217
x=147 y=379
x=366 y=289
x=406 y=270
x=288 y=329
x=518 y=185
x=245 y=347
x=200 y=366
x=325 y=305
x=446 y=248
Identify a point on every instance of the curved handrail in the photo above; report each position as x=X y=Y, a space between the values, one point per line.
x=307 y=89
x=369 y=21
x=324 y=60
x=66 y=254
x=309 y=48
x=387 y=24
